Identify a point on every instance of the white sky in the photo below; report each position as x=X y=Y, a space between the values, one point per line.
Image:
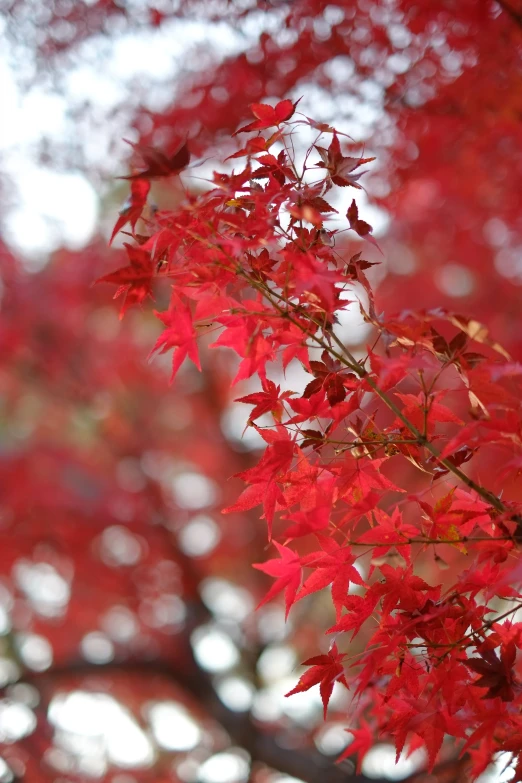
x=50 y=207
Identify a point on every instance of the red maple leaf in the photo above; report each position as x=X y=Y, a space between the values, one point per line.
x=306 y=522
x=245 y=337
x=268 y=116
x=269 y=400
x=390 y=531
x=360 y=607
x=361 y=227
x=428 y=720
x=404 y=590
x=306 y=408
x=326 y=670
x=496 y=674
x=331 y=377
x=363 y=740
x=134 y=280
x=263 y=476
x=287 y=571
x=179 y=335
x=340 y=169
x=312 y=275
x=132 y=209
x=333 y=567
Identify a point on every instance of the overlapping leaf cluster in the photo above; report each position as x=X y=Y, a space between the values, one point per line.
x=369 y=482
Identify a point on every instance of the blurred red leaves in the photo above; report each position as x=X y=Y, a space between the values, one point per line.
x=158 y=164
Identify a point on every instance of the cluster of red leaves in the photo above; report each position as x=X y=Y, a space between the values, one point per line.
x=253 y=259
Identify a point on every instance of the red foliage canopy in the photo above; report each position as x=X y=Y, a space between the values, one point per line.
x=391 y=477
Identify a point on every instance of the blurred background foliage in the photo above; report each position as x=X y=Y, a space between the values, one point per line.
x=130 y=650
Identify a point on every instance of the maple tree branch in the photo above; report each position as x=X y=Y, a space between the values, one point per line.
x=496 y=619
x=407 y=541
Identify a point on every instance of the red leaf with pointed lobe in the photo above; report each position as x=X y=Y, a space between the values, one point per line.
x=403 y=589
x=276 y=459
x=496 y=674
x=359 y=226
x=135 y=280
x=270 y=400
x=268 y=116
x=287 y=572
x=132 y=210
x=179 y=335
x=390 y=531
x=326 y=670
x=363 y=740
x=335 y=567
x=340 y=169
x=306 y=522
